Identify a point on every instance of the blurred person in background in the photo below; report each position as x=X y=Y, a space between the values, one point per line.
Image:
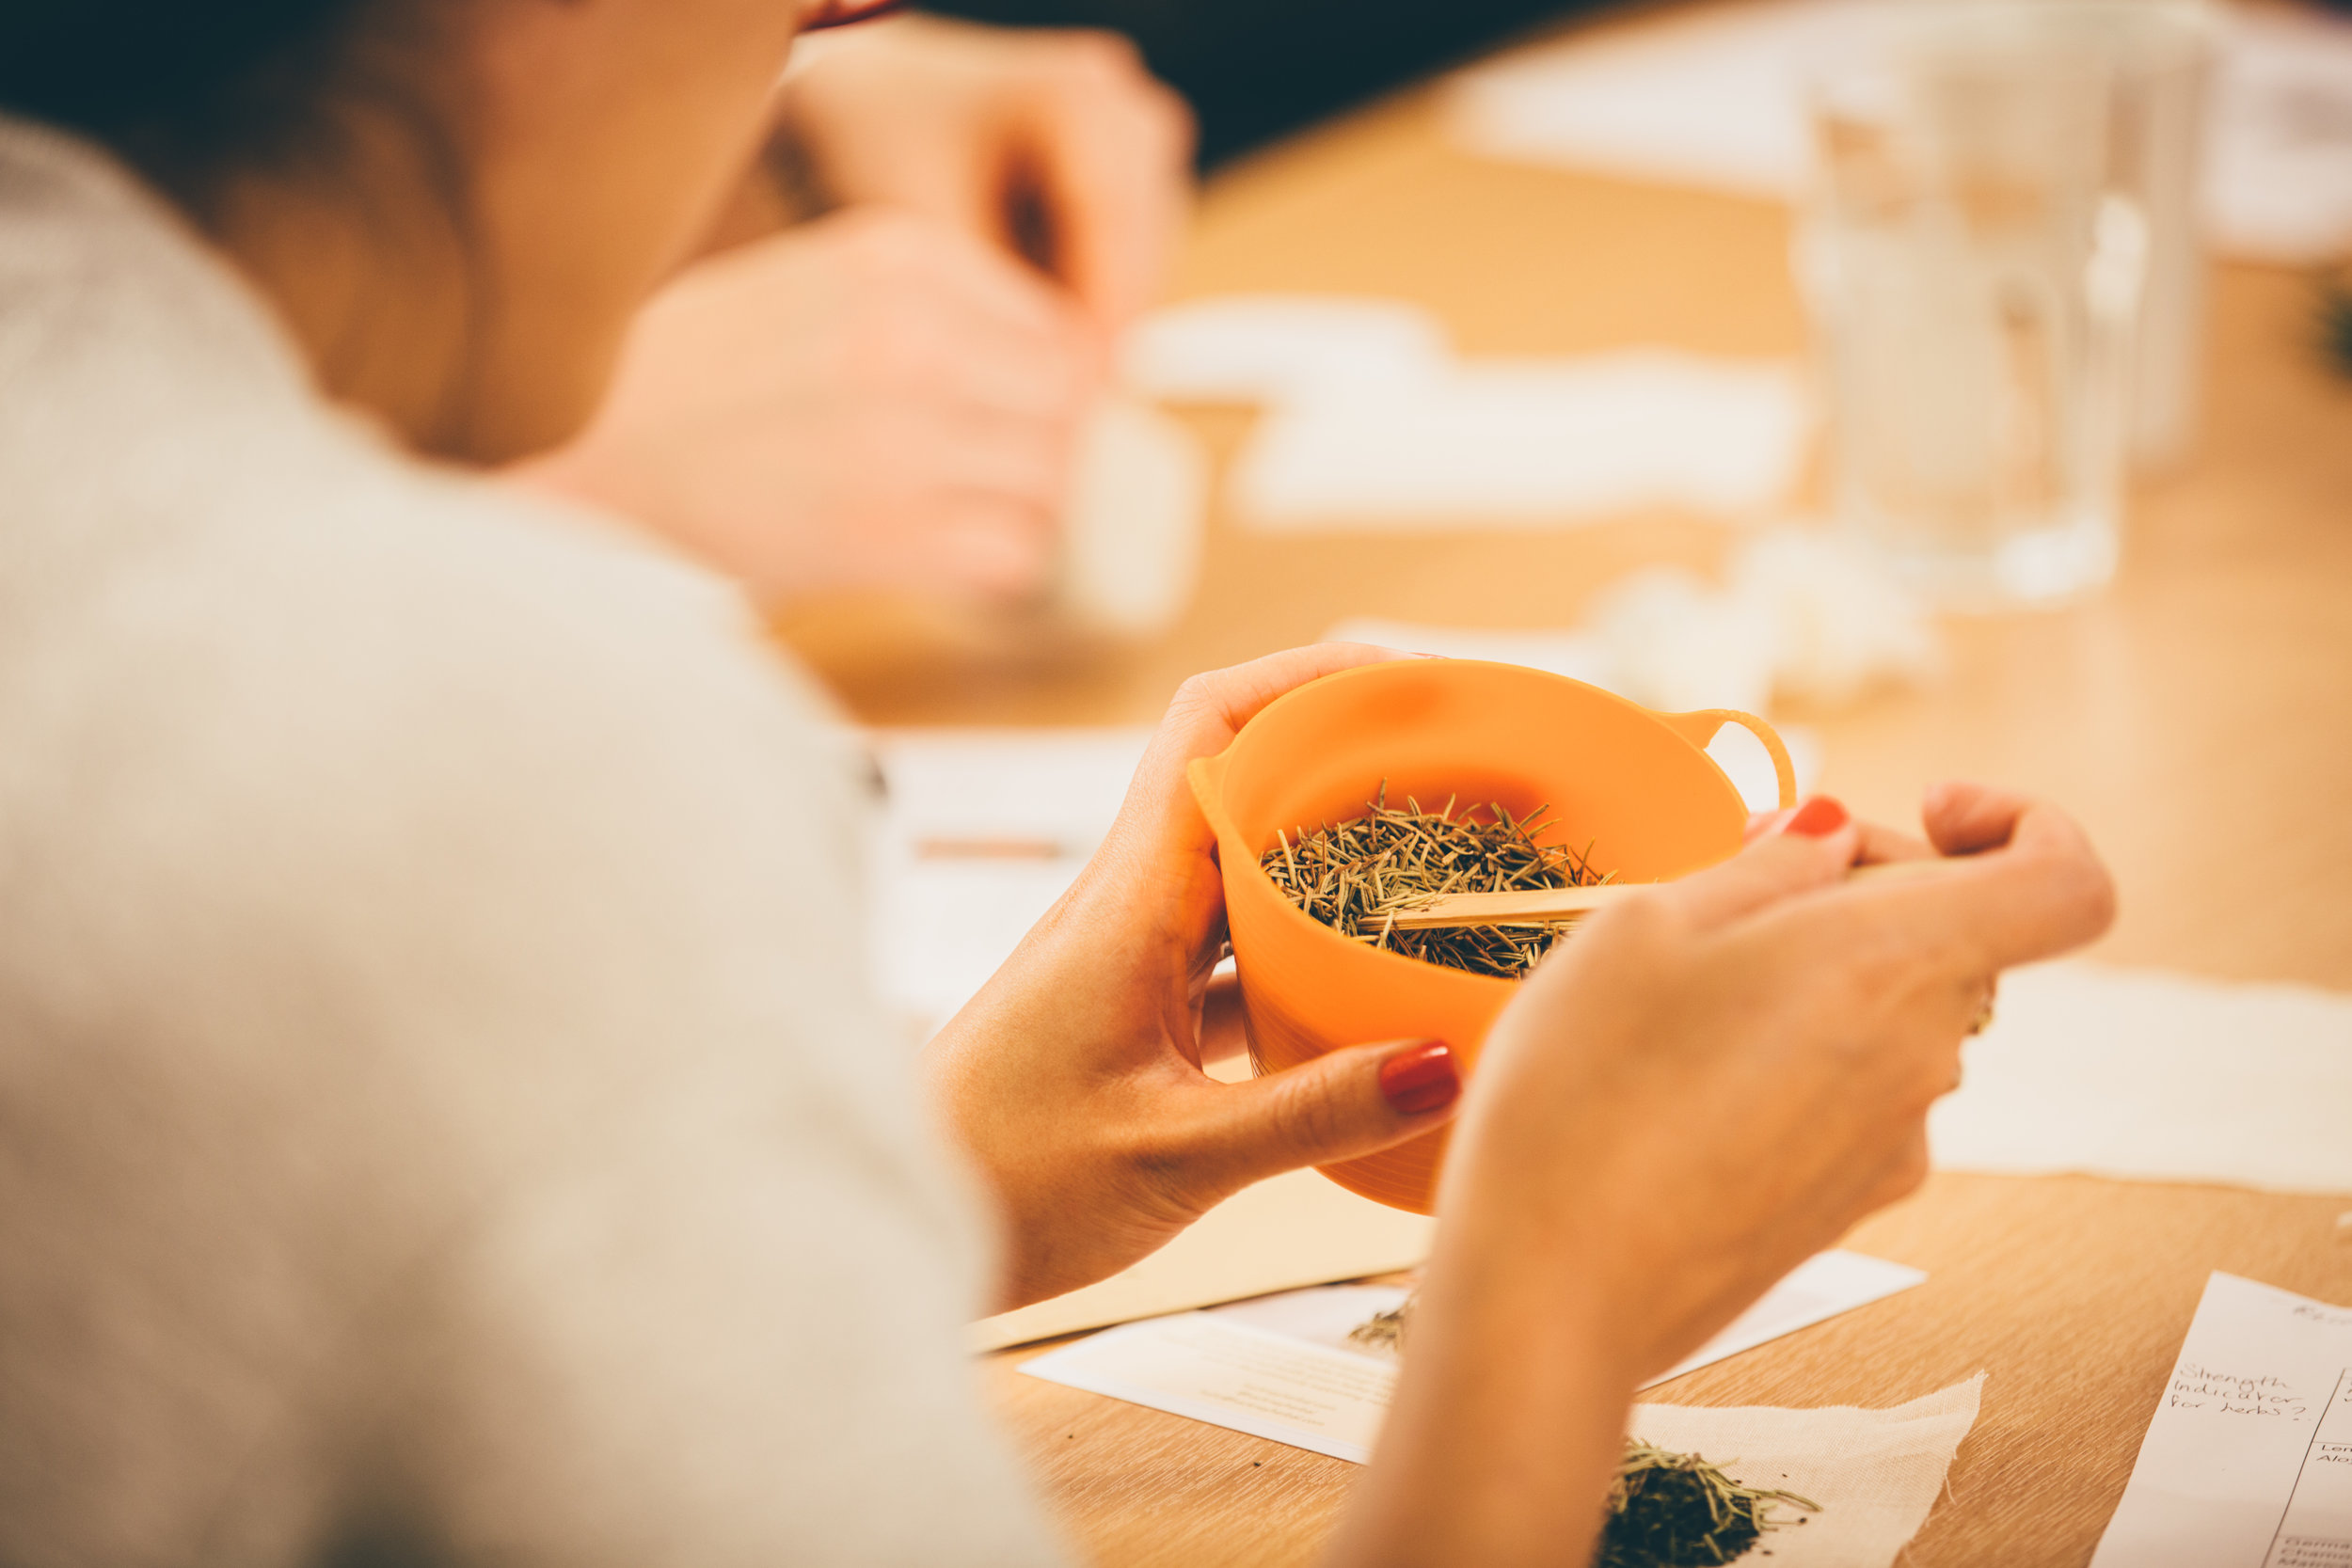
x=1254 y=70
x=877 y=376
x=441 y=1117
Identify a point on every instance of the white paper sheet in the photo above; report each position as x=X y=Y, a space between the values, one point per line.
x=1280 y=348
x=1281 y=1367
x=1137 y=507
x=1373 y=422
x=2278 y=158
x=2159 y=1077
x=981 y=831
x=1716 y=100
x=1528 y=443
x=2248 y=1463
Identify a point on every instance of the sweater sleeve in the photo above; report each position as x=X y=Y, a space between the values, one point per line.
x=448 y=924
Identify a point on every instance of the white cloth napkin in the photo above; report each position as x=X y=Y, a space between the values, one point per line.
x=1797 y=615
x=2156 y=1077
x=1876 y=1473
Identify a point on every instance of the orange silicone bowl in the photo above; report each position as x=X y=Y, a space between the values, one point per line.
x=1636 y=784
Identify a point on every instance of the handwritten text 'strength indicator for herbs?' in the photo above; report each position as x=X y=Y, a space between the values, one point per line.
x=2196 y=1387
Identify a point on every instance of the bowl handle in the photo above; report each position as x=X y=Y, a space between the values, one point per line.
x=1698 y=727
x=1207 y=777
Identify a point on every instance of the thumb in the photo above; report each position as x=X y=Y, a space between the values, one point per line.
x=1811 y=849
x=1339 y=1106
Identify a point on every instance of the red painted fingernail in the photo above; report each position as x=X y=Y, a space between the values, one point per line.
x=1817 y=818
x=1419 y=1080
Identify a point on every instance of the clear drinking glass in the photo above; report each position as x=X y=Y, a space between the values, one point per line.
x=1976 y=264
x=2160 y=56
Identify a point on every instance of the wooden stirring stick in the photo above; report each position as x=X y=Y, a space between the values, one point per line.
x=1552 y=906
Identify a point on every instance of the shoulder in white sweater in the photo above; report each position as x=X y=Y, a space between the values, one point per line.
x=439 y=1114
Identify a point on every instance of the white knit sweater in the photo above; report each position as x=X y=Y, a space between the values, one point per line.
x=438 y=1110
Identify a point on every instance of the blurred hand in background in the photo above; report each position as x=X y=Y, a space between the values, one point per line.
x=872 y=400
x=889 y=396
x=1055 y=143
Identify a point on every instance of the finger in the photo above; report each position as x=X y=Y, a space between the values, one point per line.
x=1222 y=1037
x=928 y=454
x=1881 y=845
x=1159 y=819
x=1211 y=709
x=1901 y=1173
x=997 y=286
x=988 y=546
x=2025 y=884
x=1025 y=461
x=1014 y=369
x=995 y=336
x=1339 y=1106
x=1811 y=849
x=1110 y=148
x=949 y=314
x=1968 y=819
x=1208 y=711
x=953 y=182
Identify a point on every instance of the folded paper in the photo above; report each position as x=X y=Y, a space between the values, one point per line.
x=1292 y=1231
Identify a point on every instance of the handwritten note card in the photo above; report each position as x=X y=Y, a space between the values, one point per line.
x=2249 y=1461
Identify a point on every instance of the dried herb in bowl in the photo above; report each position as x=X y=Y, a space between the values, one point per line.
x=1354 y=875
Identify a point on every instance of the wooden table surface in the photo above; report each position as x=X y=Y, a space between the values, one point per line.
x=2198 y=718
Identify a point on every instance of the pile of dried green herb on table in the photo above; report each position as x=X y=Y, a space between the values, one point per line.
x=1666 y=1510
x=1353 y=875
x=1672 y=1510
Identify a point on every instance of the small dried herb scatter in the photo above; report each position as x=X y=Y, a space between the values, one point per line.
x=1386 y=1330
x=2335 y=318
x=1354 y=875
x=1672 y=1510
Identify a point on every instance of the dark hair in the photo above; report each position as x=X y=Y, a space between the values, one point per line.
x=181 y=88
